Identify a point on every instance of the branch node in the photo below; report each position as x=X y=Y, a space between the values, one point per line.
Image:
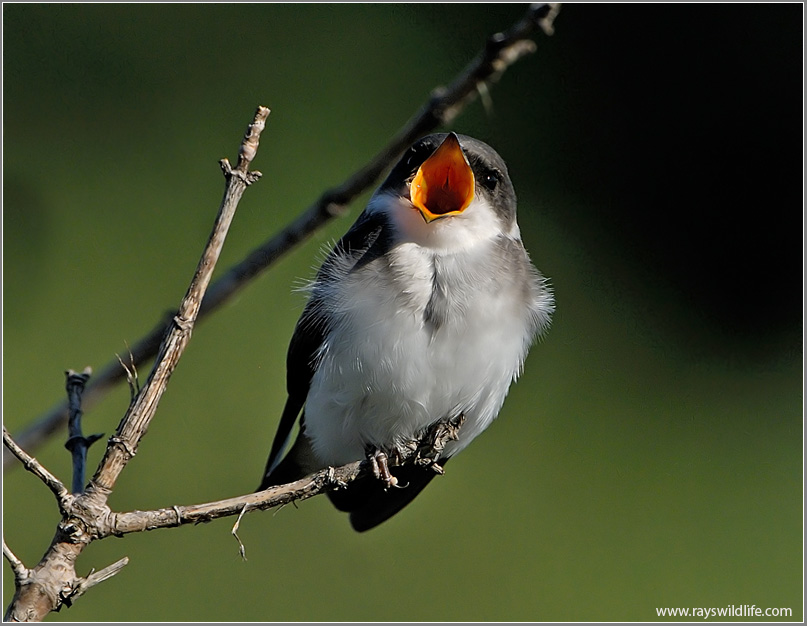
x=72 y=531
x=80 y=586
x=252 y=176
x=123 y=444
x=78 y=379
x=182 y=324
x=86 y=441
x=226 y=168
x=332 y=481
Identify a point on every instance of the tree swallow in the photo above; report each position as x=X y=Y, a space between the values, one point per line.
x=424 y=311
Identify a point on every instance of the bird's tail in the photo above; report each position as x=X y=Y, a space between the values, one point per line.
x=370 y=504
x=298 y=463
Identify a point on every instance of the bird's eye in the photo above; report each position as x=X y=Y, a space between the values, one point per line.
x=490 y=180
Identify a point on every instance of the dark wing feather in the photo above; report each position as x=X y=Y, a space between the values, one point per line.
x=360 y=243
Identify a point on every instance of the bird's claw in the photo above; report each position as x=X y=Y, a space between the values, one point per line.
x=379 y=464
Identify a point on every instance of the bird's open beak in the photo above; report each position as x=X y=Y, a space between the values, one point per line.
x=444 y=183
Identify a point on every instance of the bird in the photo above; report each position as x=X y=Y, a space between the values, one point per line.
x=424 y=311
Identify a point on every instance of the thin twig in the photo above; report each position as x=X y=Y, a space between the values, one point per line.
x=242 y=550
x=77 y=443
x=131 y=374
x=308 y=487
x=501 y=51
x=20 y=571
x=63 y=496
x=82 y=585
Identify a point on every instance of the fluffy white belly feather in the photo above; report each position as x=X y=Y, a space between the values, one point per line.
x=386 y=369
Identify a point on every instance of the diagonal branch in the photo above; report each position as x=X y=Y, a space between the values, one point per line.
x=63 y=496
x=123 y=446
x=17 y=566
x=53 y=583
x=445 y=103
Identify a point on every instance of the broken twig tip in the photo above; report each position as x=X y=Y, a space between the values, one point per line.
x=241 y=548
x=249 y=147
x=544 y=15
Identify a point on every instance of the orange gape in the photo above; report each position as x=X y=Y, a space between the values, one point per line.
x=444 y=184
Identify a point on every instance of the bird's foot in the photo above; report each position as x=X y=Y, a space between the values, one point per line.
x=379 y=464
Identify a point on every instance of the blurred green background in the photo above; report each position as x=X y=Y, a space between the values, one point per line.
x=650 y=456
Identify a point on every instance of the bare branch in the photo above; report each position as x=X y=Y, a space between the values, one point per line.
x=87 y=522
x=77 y=443
x=425 y=451
x=82 y=585
x=20 y=571
x=63 y=496
x=249 y=146
x=53 y=583
x=312 y=485
x=135 y=423
x=501 y=51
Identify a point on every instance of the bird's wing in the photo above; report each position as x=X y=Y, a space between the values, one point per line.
x=357 y=246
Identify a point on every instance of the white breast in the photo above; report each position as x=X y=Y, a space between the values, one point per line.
x=391 y=365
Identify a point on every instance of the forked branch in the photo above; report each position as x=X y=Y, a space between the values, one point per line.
x=53 y=583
